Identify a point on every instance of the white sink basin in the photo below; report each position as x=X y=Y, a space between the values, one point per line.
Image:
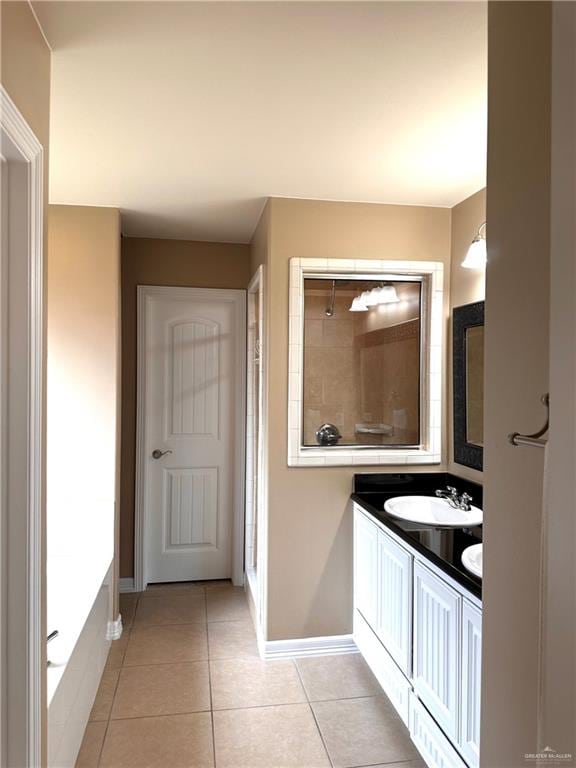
x=430 y=510
x=472 y=559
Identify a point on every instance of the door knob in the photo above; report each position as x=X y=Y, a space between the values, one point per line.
x=157 y=453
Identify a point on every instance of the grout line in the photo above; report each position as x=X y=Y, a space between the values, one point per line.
x=313 y=713
x=167 y=626
x=109 y=717
x=164 y=663
x=301 y=680
x=390 y=762
x=129 y=630
x=264 y=706
x=143 y=625
x=321 y=734
x=210 y=688
x=160 y=714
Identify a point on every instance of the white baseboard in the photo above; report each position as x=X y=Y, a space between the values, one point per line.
x=307 y=646
x=114 y=631
x=126 y=585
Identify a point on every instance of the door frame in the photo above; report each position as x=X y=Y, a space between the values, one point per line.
x=22 y=556
x=258 y=589
x=238 y=298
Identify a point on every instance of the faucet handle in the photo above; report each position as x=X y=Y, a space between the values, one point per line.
x=451 y=489
x=466 y=497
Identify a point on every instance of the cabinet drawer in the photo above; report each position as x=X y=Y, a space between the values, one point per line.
x=431 y=742
x=436 y=659
x=365 y=566
x=393 y=682
x=394 y=610
x=471 y=683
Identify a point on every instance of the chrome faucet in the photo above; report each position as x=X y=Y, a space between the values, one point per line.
x=458 y=502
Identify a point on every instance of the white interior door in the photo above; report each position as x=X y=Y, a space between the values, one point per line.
x=194 y=381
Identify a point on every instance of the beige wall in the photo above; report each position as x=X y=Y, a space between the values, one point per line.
x=25 y=67
x=516 y=338
x=161 y=262
x=466 y=287
x=260 y=244
x=83 y=304
x=310 y=523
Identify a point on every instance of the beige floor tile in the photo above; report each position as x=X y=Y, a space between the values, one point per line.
x=128 y=603
x=105 y=695
x=271 y=737
x=170 y=609
x=227 y=605
x=360 y=732
x=167 y=644
x=232 y=640
x=177 y=741
x=174 y=588
x=254 y=683
x=91 y=745
x=344 y=676
x=162 y=689
x=117 y=651
x=220 y=584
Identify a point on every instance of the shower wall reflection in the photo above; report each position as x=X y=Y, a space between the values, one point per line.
x=362 y=368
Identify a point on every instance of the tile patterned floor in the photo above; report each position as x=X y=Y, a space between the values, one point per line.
x=185 y=688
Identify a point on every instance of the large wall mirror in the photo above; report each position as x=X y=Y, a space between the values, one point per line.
x=365 y=362
x=468 y=366
x=361 y=364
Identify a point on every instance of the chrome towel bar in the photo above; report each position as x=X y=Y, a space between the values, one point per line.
x=535 y=440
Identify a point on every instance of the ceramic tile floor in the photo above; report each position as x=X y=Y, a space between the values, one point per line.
x=185 y=688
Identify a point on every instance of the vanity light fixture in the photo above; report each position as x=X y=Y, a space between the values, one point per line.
x=370 y=298
x=382 y=294
x=476 y=256
x=387 y=294
x=358 y=305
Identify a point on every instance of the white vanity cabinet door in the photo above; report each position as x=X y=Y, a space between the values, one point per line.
x=394 y=613
x=436 y=676
x=471 y=682
x=431 y=742
x=365 y=567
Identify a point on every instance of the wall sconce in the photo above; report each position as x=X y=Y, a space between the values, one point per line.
x=383 y=294
x=476 y=255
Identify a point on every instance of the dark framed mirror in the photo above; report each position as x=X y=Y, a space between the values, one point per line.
x=468 y=385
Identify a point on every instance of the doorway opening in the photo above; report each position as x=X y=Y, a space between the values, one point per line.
x=21 y=445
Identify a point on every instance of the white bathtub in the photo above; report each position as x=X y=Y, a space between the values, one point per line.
x=78 y=655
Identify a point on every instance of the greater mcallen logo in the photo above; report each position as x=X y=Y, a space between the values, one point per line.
x=550 y=755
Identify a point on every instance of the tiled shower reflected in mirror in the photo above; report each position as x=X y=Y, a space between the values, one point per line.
x=362 y=362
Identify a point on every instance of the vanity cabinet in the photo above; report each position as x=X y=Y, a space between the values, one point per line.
x=471 y=682
x=437 y=647
x=421 y=634
x=365 y=568
x=394 y=601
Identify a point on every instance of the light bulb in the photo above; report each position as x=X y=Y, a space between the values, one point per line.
x=358 y=305
x=370 y=298
x=387 y=295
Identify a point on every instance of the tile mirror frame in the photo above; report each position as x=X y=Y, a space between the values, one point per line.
x=429 y=451
x=463 y=318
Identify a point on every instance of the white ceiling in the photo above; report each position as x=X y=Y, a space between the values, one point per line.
x=187 y=115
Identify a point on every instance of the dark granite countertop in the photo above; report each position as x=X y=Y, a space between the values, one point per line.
x=442 y=546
